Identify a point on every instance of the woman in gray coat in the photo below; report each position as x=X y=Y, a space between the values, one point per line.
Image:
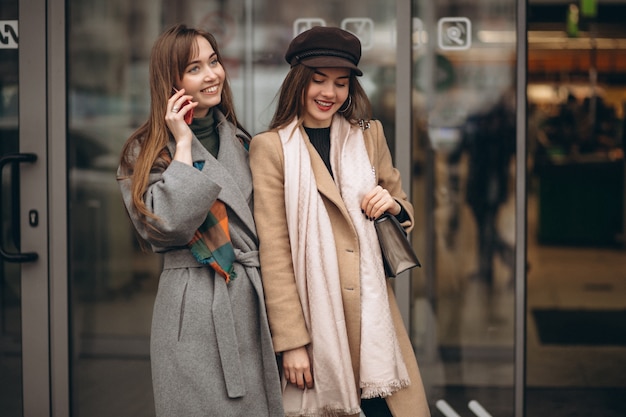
x=187 y=186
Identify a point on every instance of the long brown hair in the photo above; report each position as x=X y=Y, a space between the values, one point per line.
x=293 y=91
x=146 y=149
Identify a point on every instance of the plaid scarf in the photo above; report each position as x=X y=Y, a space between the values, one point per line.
x=211 y=243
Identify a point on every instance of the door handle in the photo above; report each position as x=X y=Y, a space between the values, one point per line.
x=14 y=160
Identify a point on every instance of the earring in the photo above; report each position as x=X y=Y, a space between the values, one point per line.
x=344 y=107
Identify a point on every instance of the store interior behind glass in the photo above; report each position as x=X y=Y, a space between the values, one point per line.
x=576 y=274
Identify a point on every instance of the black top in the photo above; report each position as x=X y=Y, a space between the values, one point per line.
x=320 y=139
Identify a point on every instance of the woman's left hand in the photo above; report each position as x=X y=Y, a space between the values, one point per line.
x=378 y=201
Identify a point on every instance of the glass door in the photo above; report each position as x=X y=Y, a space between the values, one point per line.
x=24 y=336
x=468 y=185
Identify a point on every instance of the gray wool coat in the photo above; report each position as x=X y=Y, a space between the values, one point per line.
x=210 y=347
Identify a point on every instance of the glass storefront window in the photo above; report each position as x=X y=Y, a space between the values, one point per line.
x=576 y=209
x=464 y=142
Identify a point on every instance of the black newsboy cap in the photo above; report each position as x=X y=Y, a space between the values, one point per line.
x=325 y=47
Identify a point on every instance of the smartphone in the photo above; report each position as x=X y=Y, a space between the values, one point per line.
x=189 y=114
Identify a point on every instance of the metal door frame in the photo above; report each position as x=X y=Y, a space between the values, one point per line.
x=520 y=211
x=42 y=127
x=58 y=211
x=32 y=119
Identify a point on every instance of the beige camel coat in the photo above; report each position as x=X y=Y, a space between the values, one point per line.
x=286 y=319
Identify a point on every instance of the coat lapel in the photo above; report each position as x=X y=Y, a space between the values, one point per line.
x=230 y=171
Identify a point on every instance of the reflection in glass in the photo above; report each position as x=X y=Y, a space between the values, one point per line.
x=464 y=175
x=112 y=282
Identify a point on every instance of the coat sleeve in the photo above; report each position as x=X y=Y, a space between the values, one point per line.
x=388 y=175
x=180 y=196
x=283 y=305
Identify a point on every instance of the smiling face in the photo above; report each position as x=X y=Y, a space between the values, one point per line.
x=204 y=77
x=327 y=91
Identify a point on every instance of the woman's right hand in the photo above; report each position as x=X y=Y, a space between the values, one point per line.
x=177 y=106
x=297 y=367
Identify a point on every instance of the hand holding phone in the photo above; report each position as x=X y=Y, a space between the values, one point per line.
x=189 y=115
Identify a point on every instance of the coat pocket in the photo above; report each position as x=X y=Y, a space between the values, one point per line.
x=181 y=317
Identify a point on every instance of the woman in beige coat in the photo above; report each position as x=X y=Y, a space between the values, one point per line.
x=321 y=175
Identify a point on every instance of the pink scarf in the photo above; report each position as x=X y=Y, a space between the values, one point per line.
x=316 y=268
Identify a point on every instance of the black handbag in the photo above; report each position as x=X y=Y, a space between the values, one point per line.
x=398 y=255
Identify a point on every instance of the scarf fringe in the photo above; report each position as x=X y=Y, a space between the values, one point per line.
x=382 y=389
x=326 y=412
